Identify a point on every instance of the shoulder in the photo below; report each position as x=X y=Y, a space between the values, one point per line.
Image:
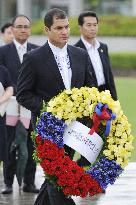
x=35 y=54
x=103 y=45
x=5 y=47
x=77 y=50
x=35 y=51
x=77 y=44
x=32 y=45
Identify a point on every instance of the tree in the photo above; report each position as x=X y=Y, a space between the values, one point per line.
x=94 y=3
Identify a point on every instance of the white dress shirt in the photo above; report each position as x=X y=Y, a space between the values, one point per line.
x=62 y=59
x=21 y=49
x=95 y=59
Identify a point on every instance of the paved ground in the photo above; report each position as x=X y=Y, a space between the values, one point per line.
x=121 y=193
x=115 y=44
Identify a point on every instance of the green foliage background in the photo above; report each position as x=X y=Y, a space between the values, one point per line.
x=123 y=61
x=126 y=94
x=111 y=25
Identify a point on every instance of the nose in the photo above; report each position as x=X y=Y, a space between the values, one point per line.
x=23 y=29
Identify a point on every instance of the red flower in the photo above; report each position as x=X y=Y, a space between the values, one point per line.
x=38 y=139
x=67 y=174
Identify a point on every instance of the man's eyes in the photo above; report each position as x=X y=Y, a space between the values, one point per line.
x=89 y=25
x=61 y=28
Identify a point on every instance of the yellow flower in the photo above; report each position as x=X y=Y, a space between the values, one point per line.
x=119 y=160
x=78 y=103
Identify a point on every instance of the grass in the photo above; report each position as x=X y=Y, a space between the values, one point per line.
x=124 y=61
x=127 y=97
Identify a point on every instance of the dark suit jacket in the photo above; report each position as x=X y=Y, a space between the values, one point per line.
x=109 y=80
x=40 y=78
x=9 y=58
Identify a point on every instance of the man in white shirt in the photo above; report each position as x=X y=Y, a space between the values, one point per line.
x=11 y=56
x=98 y=51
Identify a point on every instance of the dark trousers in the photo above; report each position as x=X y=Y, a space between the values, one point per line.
x=9 y=167
x=50 y=196
x=30 y=170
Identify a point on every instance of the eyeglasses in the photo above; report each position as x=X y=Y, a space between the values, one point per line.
x=22 y=26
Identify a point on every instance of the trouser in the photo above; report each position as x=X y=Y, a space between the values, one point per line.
x=50 y=196
x=9 y=167
x=30 y=170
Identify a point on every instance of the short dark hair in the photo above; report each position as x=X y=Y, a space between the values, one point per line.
x=5 y=26
x=55 y=12
x=86 y=14
x=19 y=15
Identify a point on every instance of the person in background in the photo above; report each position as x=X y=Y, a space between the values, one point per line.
x=6 y=86
x=6 y=33
x=98 y=52
x=11 y=56
x=47 y=71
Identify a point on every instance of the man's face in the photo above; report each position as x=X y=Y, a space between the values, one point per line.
x=89 y=28
x=58 y=33
x=21 y=29
x=8 y=35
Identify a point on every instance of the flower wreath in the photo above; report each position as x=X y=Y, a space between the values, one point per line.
x=108 y=120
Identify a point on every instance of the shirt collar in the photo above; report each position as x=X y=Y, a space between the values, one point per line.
x=18 y=45
x=58 y=51
x=89 y=45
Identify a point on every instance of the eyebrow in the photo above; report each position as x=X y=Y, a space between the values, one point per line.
x=62 y=26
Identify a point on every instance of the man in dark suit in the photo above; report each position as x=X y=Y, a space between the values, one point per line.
x=45 y=72
x=98 y=52
x=11 y=56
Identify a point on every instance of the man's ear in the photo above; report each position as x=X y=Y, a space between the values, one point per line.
x=46 y=29
x=80 y=28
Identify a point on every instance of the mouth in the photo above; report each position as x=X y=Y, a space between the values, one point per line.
x=65 y=37
x=92 y=33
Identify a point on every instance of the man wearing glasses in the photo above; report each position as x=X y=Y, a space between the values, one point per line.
x=11 y=56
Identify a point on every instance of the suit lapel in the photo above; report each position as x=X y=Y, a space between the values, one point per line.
x=14 y=54
x=29 y=47
x=102 y=57
x=81 y=44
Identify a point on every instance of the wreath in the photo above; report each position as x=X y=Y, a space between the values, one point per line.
x=106 y=119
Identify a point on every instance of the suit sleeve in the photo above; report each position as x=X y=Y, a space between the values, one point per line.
x=1 y=56
x=26 y=94
x=111 y=80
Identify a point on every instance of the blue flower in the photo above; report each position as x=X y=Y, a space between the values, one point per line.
x=51 y=128
x=105 y=171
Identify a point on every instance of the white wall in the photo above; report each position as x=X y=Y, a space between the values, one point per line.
x=24 y=7
x=75 y=7
x=133 y=7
